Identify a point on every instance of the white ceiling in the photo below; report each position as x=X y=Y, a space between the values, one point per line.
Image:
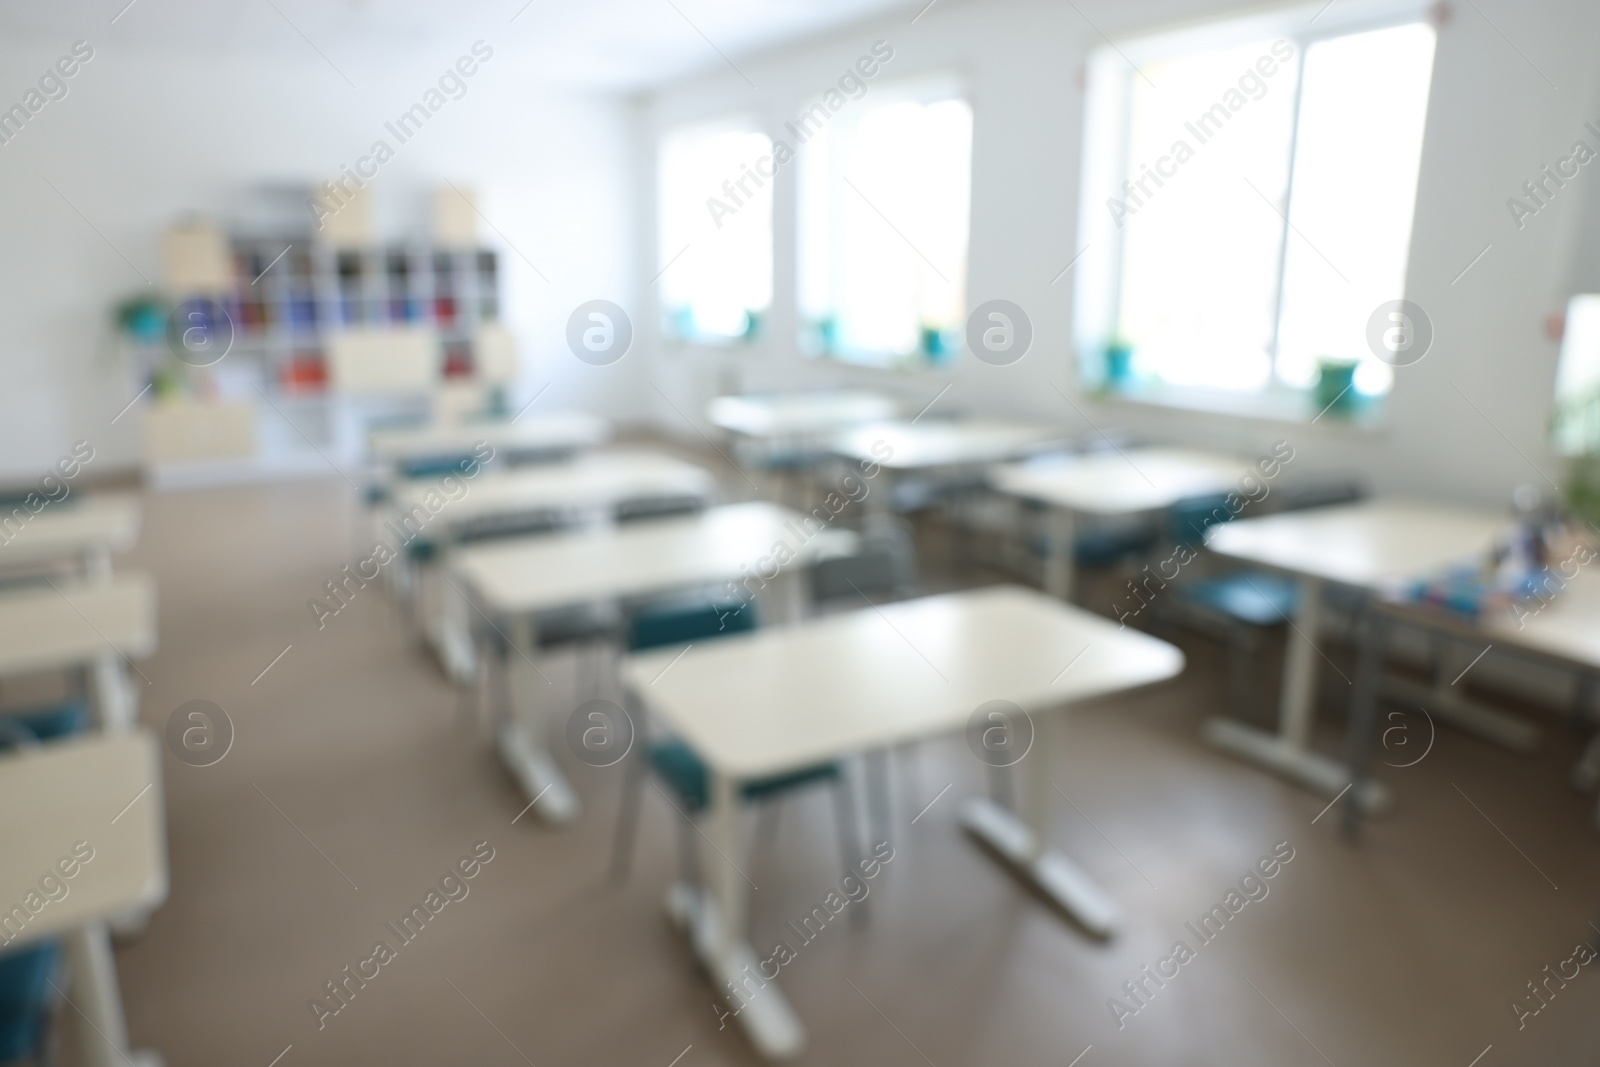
x=605 y=45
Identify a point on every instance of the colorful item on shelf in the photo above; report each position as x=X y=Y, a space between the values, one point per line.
x=307 y=372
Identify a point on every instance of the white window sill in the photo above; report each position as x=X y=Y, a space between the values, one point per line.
x=1290 y=406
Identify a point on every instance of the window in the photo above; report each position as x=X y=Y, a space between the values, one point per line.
x=1248 y=196
x=715 y=231
x=1575 y=428
x=884 y=198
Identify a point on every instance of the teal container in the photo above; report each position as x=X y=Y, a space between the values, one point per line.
x=1335 y=392
x=1119 y=365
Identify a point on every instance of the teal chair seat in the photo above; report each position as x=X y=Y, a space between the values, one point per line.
x=26 y=999
x=686 y=774
x=1246 y=602
x=1256 y=598
x=24 y=726
x=677 y=765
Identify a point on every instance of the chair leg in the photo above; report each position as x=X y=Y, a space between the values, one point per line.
x=1241 y=674
x=909 y=760
x=767 y=812
x=469 y=696
x=877 y=783
x=628 y=817
x=1586 y=774
x=689 y=852
x=1001 y=789
x=500 y=698
x=844 y=813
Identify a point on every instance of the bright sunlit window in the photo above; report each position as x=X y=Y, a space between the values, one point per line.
x=884 y=199
x=715 y=231
x=1248 y=198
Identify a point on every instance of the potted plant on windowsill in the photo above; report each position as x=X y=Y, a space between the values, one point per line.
x=1334 y=393
x=1116 y=367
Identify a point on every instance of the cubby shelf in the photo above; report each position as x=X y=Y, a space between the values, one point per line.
x=288 y=296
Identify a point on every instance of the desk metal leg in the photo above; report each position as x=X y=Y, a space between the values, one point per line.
x=714 y=918
x=1023 y=843
x=1060 y=544
x=877 y=512
x=97 y=564
x=1450 y=705
x=876 y=766
x=522 y=735
x=1364 y=714
x=451 y=629
x=1288 y=753
x=1586 y=774
x=114 y=699
x=783 y=599
x=102 y=1031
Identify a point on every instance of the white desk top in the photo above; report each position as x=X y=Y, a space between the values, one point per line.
x=777 y=699
x=66 y=792
x=104 y=521
x=800 y=412
x=1567 y=628
x=1365 y=544
x=555 y=430
x=42 y=629
x=1112 y=483
x=942 y=443
x=535 y=574
x=593 y=480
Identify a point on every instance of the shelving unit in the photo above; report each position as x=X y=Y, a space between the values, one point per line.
x=288 y=296
x=287 y=299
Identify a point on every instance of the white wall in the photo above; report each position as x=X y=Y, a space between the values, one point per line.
x=146 y=136
x=1493 y=121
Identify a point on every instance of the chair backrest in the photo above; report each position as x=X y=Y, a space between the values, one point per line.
x=1320 y=494
x=885 y=567
x=25 y=999
x=535 y=457
x=1192 y=515
x=657 y=507
x=876 y=573
x=435 y=466
x=28 y=726
x=685 y=622
x=530 y=523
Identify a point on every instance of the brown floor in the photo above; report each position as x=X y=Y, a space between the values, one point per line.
x=1405 y=948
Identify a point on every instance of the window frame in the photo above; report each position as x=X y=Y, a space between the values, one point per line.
x=926 y=87
x=1109 y=72
x=746 y=120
